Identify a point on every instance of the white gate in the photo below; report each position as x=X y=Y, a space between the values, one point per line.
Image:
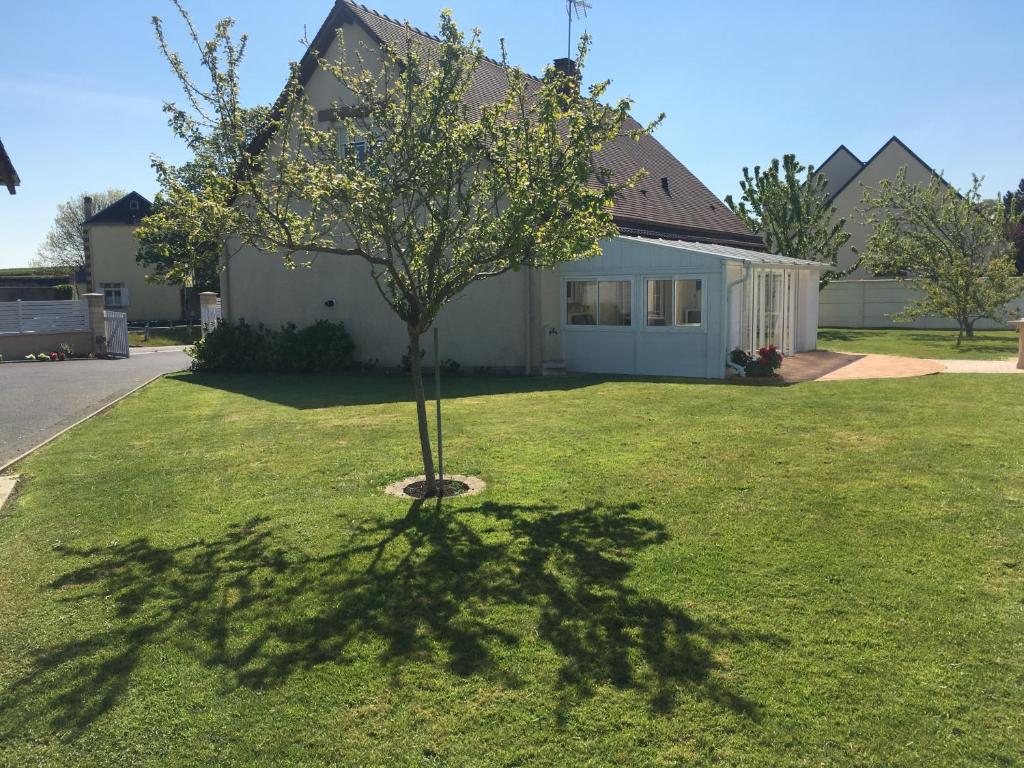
x=116 y=329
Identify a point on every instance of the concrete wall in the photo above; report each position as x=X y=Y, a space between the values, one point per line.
x=113 y=248
x=885 y=165
x=27 y=293
x=870 y=304
x=16 y=346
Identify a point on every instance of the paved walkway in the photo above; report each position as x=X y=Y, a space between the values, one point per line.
x=38 y=400
x=842 y=366
x=981 y=366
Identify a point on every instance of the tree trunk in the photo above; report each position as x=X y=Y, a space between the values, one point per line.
x=960 y=334
x=970 y=328
x=421 y=409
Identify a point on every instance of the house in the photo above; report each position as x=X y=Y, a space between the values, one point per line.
x=111 y=248
x=862 y=300
x=8 y=176
x=683 y=283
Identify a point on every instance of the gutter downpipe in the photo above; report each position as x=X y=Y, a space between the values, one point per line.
x=527 y=341
x=728 y=307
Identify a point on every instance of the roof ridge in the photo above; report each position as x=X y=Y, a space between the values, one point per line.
x=434 y=38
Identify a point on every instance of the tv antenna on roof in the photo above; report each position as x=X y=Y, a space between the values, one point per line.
x=577 y=8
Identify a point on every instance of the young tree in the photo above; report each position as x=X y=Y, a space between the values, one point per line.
x=1013 y=203
x=179 y=246
x=431 y=191
x=787 y=205
x=952 y=245
x=64 y=246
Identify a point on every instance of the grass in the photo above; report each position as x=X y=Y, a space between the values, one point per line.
x=659 y=573
x=165 y=337
x=910 y=342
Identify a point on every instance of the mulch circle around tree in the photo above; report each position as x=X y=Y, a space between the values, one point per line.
x=418 y=489
x=454 y=485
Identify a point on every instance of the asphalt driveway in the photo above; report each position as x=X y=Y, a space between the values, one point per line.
x=37 y=400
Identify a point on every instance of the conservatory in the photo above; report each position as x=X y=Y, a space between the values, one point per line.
x=648 y=306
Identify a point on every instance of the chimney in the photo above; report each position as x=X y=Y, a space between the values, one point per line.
x=568 y=68
x=88 y=210
x=664 y=185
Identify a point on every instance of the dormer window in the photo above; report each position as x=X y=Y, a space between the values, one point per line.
x=133 y=205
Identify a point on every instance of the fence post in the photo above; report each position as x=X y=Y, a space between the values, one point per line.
x=207 y=309
x=97 y=323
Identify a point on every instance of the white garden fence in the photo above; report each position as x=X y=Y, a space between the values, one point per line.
x=17 y=317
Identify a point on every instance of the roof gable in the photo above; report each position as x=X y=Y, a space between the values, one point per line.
x=669 y=200
x=892 y=145
x=130 y=209
x=838 y=169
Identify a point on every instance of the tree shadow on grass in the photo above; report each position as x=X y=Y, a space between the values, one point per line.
x=315 y=391
x=462 y=590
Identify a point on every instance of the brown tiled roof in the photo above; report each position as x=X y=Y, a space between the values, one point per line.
x=670 y=202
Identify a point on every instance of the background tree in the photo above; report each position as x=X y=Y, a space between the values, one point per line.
x=1013 y=203
x=430 y=192
x=787 y=205
x=950 y=244
x=63 y=246
x=177 y=246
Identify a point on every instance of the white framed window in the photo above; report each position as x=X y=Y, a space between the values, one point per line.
x=345 y=146
x=599 y=302
x=674 y=302
x=115 y=295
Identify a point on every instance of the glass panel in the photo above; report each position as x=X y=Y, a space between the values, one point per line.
x=688 y=302
x=659 y=302
x=615 y=304
x=581 y=302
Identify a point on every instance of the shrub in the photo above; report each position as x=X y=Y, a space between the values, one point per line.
x=450 y=367
x=407 y=359
x=242 y=348
x=64 y=291
x=30 y=356
x=42 y=357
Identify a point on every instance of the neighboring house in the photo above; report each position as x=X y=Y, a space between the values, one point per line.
x=8 y=176
x=684 y=283
x=111 y=248
x=862 y=300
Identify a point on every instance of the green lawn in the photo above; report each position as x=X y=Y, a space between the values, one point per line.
x=909 y=342
x=165 y=337
x=659 y=573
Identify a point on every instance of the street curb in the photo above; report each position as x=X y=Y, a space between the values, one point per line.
x=97 y=412
x=8 y=485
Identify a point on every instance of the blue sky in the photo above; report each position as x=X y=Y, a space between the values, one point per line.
x=82 y=83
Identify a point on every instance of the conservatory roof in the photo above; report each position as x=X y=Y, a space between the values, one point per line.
x=729 y=252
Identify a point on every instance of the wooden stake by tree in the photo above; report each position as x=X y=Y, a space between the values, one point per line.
x=432 y=191
x=950 y=244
